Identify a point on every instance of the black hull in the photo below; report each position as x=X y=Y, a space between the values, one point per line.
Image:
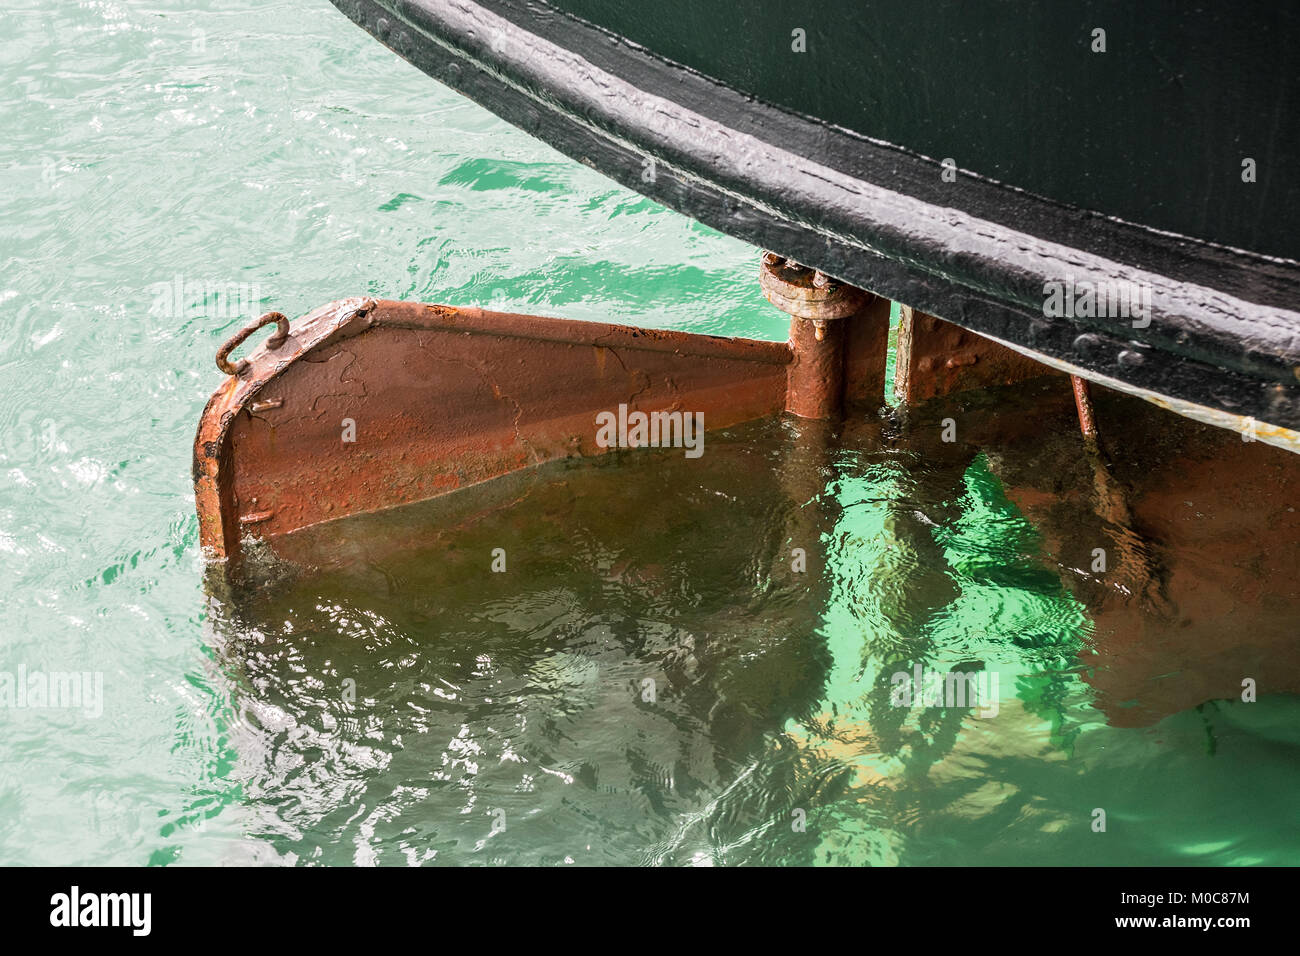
x=812 y=179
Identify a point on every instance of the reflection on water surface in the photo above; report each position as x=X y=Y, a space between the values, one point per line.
x=655 y=677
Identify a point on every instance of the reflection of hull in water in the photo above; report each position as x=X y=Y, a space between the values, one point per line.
x=1182 y=544
x=609 y=582
x=591 y=689
x=1198 y=589
x=1200 y=592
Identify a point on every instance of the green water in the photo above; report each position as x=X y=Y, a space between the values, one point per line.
x=650 y=681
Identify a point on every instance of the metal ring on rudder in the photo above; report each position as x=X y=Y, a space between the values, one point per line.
x=274 y=342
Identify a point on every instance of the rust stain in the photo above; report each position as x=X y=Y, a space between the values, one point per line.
x=936 y=358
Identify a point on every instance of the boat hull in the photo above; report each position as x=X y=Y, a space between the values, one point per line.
x=1219 y=333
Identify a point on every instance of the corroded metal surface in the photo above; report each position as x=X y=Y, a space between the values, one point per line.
x=866 y=355
x=815 y=383
x=839 y=336
x=840 y=365
x=1083 y=404
x=368 y=405
x=936 y=357
x=806 y=293
x=274 y=342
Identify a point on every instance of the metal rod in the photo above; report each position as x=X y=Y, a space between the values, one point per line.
x=1083 y=403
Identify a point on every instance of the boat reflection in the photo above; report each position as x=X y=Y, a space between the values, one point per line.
x=649 y=658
